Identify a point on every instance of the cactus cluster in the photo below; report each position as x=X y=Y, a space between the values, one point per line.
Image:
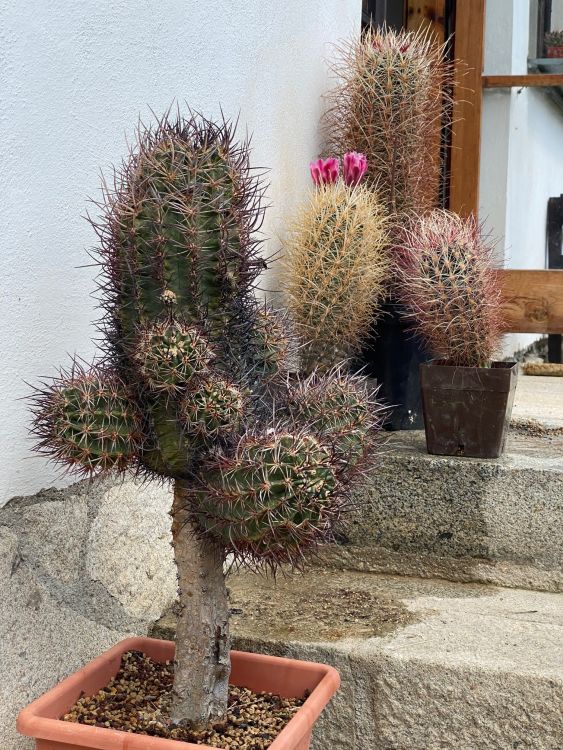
x=193 y=383
x=335 y=268
x=179 y=263
x=390 y=102
x=450 y=289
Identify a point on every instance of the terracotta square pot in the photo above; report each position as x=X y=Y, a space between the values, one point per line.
x=286 y=677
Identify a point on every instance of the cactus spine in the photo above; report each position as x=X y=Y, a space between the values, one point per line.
x=191 y=387
x=450 y=289
x=334 y=271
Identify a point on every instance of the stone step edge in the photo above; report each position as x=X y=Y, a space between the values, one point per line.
x=381 y=560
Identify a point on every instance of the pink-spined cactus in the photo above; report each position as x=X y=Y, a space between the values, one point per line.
x=325 y=171
x=449 y=287
x=354 y=166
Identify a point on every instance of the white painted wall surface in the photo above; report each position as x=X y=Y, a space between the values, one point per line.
x=74 y=76
x=521 y=148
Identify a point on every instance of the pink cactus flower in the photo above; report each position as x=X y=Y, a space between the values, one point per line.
x=325 y=171
x=354 y=167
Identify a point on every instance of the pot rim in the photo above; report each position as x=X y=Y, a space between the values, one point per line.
x=496 y=365
x=33 y=723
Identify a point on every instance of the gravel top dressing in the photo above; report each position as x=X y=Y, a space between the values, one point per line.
x=138 y=700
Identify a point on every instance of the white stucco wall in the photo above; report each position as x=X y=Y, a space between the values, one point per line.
x=74 y=76
x=521 y=148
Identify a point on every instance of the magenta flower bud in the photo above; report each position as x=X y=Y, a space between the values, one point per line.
x=325 y=171
x=354 y=167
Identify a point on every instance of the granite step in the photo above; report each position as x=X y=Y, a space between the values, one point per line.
x=425 y=664
x=490 y=520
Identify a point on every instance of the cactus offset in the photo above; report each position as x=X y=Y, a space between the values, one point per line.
x=191 y=386
x=271 y=344
x=87 y=422
x=335 y=269
x=390 y=103
x=213 y=409
x=171 y=354
x=276 y=497
x=340 y=408
x=450 y=289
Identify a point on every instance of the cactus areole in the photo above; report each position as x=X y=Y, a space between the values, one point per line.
x=191 y=387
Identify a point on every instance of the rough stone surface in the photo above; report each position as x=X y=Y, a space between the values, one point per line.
x=80 y=569
x=129 y=551
x=472 y=667
x=51 y=522
x=498 y=520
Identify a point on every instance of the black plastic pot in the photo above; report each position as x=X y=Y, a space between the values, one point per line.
x=393 y=356
x=467 y=409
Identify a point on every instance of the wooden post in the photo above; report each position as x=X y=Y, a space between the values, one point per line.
x=532 y=301
x=466 y=141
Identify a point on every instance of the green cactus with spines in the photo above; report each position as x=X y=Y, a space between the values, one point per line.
x=339 y=407
x=215 y=407
x=270 y=499
x=170 y=354
x=270 y=344
x=192 y=386
x=89 y=422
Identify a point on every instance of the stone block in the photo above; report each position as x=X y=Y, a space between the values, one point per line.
x=497 y=520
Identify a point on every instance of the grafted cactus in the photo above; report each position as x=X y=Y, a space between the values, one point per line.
x=194 y=387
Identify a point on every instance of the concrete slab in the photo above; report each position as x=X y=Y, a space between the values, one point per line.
x=539 y=398
x=425 y=664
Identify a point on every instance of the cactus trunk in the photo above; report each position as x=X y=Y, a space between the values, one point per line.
x=202 y=663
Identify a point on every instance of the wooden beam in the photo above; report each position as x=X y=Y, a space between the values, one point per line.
x=532 y=301
x=466 y=139
x=533 y=79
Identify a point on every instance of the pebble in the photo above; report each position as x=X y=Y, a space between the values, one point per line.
x=138 y=700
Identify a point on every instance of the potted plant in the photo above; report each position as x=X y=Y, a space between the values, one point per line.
x=191 y=388
x=392 y=102
x=553 y=42
x=335 y=263
x=451 y=295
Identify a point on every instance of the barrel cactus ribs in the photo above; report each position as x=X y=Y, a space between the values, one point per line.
x=192 y=385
